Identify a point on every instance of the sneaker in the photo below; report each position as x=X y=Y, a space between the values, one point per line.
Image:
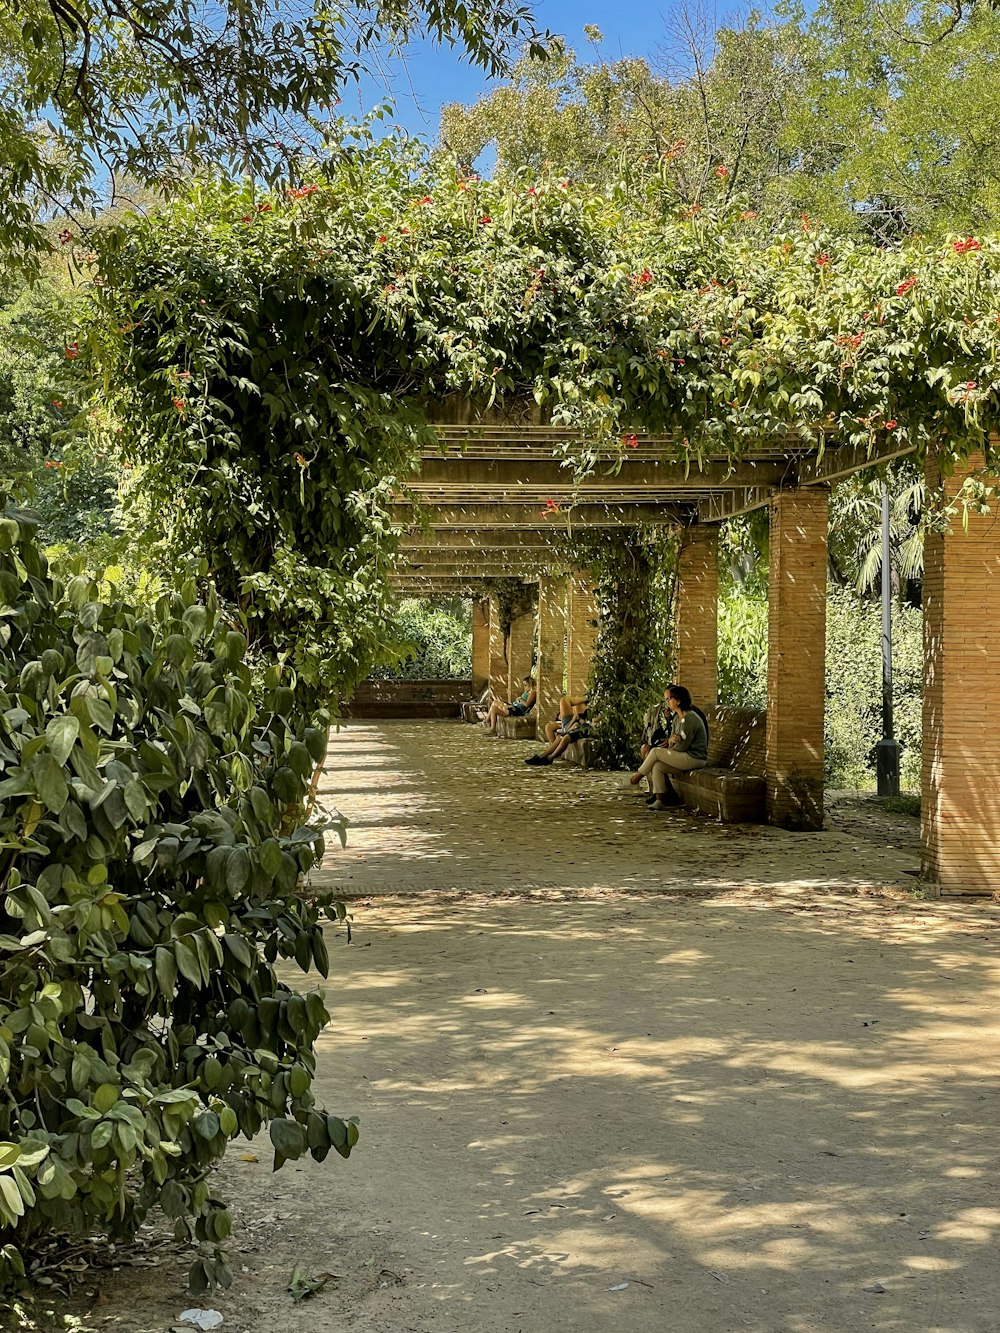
x=651 y=799
x=534 y=759
x=657 y=804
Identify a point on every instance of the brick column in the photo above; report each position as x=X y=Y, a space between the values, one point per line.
x=698 y=614
x=796 y=657
x=520 y=651
x=583 y=617
x=551 y=656
x=498 y=652
x=480 y=646
x=960 y=781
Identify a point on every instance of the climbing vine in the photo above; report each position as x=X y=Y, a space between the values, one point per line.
x=633 y=574
x=274 y=361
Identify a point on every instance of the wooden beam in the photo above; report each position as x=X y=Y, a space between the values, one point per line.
x=717 y=508
x=844 y=460
x=547 y=475
x=480 y=517
x=460 y=540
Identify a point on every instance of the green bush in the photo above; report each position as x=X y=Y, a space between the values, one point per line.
x=854 y=688
x=149 y=861
x=437 y=642
x=853 y=723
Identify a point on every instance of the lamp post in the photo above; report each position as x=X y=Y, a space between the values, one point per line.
x=887 y=749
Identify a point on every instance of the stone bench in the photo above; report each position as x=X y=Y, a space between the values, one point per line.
x=732 y=787
x=517 y=728
x=582 y=752
x=472 y=711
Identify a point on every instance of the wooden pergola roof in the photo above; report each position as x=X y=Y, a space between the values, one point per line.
x=494 y=493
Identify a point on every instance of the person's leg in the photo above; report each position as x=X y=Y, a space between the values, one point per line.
x=672 y=762
x=550 y=730
x=645 y=768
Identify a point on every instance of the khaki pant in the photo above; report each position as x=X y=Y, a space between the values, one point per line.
x=659 y=762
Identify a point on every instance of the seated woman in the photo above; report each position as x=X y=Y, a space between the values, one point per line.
x=518 y=707
x=686 y=748
x=656 y=725
x=571 y=725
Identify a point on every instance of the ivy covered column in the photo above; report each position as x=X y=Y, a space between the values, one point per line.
x=960 y=787
x=796 y=658
x=498 y=650
x=582 y=636
x=480 y=645
x=551 y=657
x=698 y=614
x=520 y=651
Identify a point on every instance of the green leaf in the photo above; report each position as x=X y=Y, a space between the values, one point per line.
x=61 y=734
x=288 y=1138
x=50 y=782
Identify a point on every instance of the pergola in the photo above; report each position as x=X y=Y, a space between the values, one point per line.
x=495 y=496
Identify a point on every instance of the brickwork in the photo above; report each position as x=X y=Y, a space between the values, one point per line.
x=698 y=614
x=520 y=652
x=498 y=652
x=582 y=635
x=960 y=786
x=480 y=646
x=796 y=660
x=551 y=657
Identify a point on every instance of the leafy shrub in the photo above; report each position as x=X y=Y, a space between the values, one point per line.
x=854 y=687
x=853 y=678
x=149 y=859
x=437 y=642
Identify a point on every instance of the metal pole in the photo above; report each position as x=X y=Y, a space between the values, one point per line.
x=887 y=750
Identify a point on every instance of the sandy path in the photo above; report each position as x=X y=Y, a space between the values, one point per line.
x=748 y=1105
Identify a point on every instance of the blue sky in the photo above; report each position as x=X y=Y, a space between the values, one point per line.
x=433 y=76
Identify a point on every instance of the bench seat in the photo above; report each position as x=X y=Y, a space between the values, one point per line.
x=732 y=787
x=582 y=752
x=517 y=728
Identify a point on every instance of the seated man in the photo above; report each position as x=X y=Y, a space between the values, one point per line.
x=518 y=707
x=686 y=748
x=571 y=725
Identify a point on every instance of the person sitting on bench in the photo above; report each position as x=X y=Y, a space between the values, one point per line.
x=686 y=748
x=571 y=725
x=519 y=707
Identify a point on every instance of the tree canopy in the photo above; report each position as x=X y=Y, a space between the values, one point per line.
x=94 y=90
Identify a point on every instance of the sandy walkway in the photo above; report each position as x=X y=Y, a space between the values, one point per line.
x=591 y=1107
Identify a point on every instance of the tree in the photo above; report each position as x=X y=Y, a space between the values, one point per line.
x=99 y=88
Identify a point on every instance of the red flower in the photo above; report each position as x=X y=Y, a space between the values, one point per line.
x=56 y=402
x=749 y=215
x=72 y=351
x=299 y=459
x=906 y=286
x=890 y=425
x=485 y=220
x=405 y=231
x=644 y=278
x=630 y=441
x=381 y=240
x=179 y=403
x=303 y=192
x=184 y=374
x=963 y=247
x=531 y=190
x=675 y=150
x=550 y=508
x=65 y=236
x=822 y=259
x=805 y=222
x=247 y=217
x=726 y=341
x=462 y=185
x=51 y=462
x=427 y=199
x=970 y=384
x=263 y=208
x=564 y=185
x=722 y=173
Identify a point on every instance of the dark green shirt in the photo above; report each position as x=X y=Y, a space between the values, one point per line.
x=692 y=738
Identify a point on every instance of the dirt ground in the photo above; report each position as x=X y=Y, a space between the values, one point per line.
x=621 y=1071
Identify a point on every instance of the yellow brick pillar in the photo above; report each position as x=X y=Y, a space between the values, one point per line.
x=520 y=652
x=960 y=781
x=498 y=652
x=551 y=656
x=480 y=646
x=583 y=620
x=698 y=614
x=796 y=657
